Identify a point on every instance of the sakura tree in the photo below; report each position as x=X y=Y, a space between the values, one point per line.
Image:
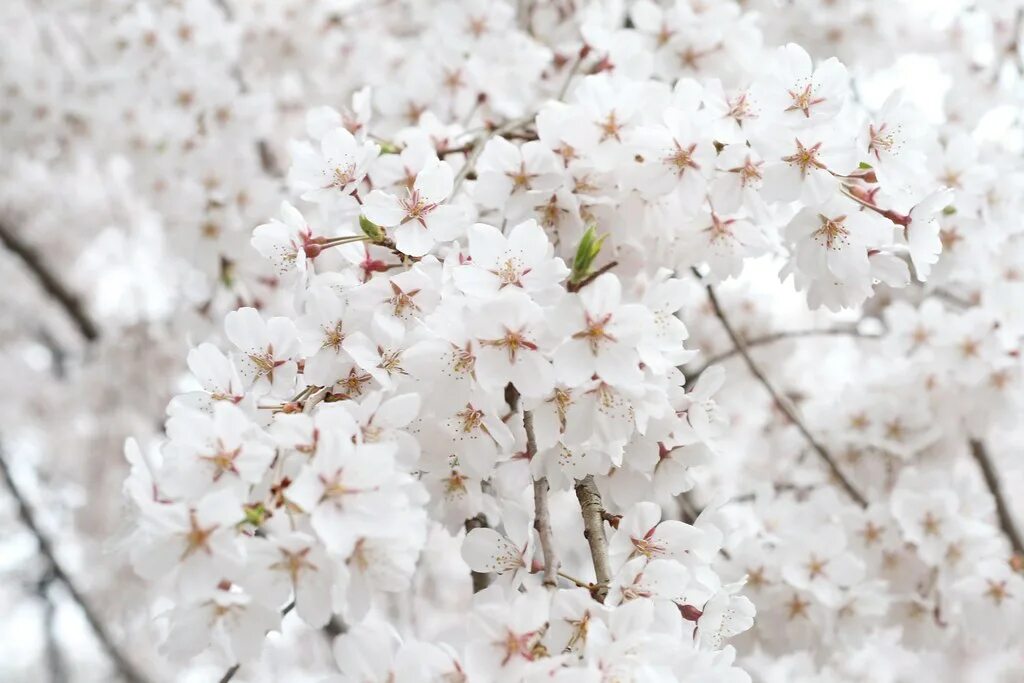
x=521 y=341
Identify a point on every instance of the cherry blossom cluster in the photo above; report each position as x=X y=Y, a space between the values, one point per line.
x=481 y=322
x=438 y=390
x=542 y=339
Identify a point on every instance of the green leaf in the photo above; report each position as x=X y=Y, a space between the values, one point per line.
x=370 y=229
x=588 y=249
x=255 y=514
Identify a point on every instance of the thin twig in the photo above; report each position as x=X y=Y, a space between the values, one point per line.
x=229 y=674
x=125 y=668
x=479 y=145
x=955 y=299
x=572 y=72
x=592 y=510
x=771 y=339
x=50 y=282
x=988 y=471
x=578 y=582
x=542 y=512
x=55 y=667
x=577 y=286
x=781 y=403
x=781 y=487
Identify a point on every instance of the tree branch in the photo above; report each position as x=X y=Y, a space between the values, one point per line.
x=125 y=668
x=988 y=471
x=781 y=403
x=50 y=282
x=229 y=674
x=55 y=667
x=592 y=510
x=575 y=287
x=478 y=147
x=542 y=512
x=771 y=338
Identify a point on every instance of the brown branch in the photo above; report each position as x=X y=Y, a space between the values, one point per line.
x=229 y=674
x=780 y=402
x=50 y=282
x=466 y=148
x=478 y=147
x=592 y=510
x=988 y=471
x=771 y=338
x=55 y=666
x=542 y=512
x=573 y=70
x=125 y=668
x=577 y=286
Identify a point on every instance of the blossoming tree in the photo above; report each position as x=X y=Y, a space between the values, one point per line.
x=573 y=341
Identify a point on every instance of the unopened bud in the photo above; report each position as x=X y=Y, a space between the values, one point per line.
x=689 y=612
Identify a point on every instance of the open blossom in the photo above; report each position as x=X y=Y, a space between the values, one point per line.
x=800 y=95
x=602 y=335
x=194 y=543
x=517 y=177
x=267 y=349
x=893 y=141
x=509 y=334
x=223 y=447
x=329 y=175
x=804 y=164
x=832 y=245
x=218 y=378
x=232 y=620
x=676 y=156
x=523 y=259
x=419 y=218
x=641 y=533
x=721 y=241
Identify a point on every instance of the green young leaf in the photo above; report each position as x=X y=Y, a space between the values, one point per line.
x=588 y=249
x=255 y=514
x=370 y=229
